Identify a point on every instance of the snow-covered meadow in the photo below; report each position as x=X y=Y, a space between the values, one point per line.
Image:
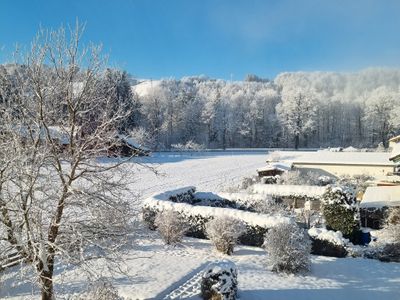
x=155 y=271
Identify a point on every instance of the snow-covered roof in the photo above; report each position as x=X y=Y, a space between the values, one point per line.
x=131 y=142
x=289 y=190
x=276 y=166
x=395 y=151
x=55 y=132
x=380 y=196
x=328 y=157
x=395 y=139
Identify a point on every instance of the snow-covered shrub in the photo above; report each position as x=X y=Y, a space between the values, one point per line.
x=100 y=290
x=271 y=206
x=253 y=236
x=188 y=146
x=327 y=242
x=393 y=216
x=357 y=182
x=390 y=253
x=341 y=211
x=299 y=178
x=224 y=233
x=288 y=247
x=219 y=281
x=170 y=226
x=393 y=233
x=291 y=178
x=248 y=182
x=143 y=137
x=325 y=180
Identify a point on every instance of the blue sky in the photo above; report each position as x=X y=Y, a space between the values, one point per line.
x=219 y=38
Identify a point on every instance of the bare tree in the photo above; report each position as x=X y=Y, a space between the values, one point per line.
x=58 y=200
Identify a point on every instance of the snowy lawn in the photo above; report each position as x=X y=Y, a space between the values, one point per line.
x=155 y=270
x=208 y=171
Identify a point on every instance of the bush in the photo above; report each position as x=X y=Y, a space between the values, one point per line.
x=219 y=281
x=224 y=233
x=170 y=226
x=393 y=217
x=387 y=253
x=357 y=182
x=341 y=212
x=271 y=206
x=326 y=248
x=393 y=233
x=100 y=290
x=390 y=253
x=288 y=248
x=299 y=178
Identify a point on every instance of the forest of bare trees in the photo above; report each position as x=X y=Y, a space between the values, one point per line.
x=304 y=109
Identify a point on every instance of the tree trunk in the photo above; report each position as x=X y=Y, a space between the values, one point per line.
x=47 y=288
x=296 y=141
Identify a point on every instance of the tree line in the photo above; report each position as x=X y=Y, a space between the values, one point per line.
x=302 y=109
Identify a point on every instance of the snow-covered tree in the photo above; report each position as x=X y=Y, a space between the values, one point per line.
x=288 y=248
x=297 y=112
x=380 y=113
x=341 y=211
x=56 y=197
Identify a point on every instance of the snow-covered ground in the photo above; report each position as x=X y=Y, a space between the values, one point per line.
x=153 y=270
x=208 y=171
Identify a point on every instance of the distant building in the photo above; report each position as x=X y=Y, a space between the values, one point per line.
x=337 y=163
x=126 y=146
x=375 y=203
x=273 y=169
x=394 y=145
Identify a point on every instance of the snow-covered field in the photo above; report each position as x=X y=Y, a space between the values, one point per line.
x=208 y=171
x=153 y=270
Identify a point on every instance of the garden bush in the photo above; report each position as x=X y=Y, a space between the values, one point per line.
x=341 y=212
x=219 y=281
x=170 y=226
x=224 y=233
x=288 y=248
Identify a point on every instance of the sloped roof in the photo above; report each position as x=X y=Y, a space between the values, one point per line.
x=395 y=139
x=132 y=142
x=395 y=154
x=329 y=157
x=380 y=196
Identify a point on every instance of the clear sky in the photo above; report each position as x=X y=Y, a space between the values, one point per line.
x=219 y=38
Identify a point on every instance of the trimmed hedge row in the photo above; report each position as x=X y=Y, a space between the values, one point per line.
x=196 y=220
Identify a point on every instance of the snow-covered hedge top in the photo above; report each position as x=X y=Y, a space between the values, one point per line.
x=290 y=190
x=161 y=202
x=168 y=194
x=334 y=237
